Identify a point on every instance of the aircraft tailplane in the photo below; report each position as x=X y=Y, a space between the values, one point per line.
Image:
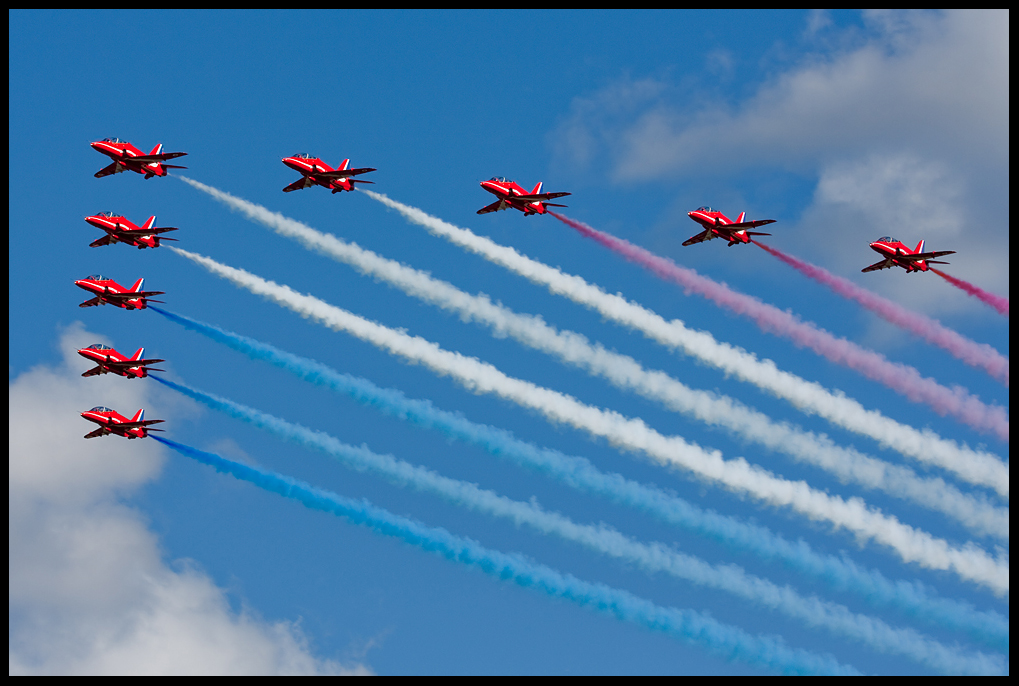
x=139 y=416
x=537 y=189
x=919 y=247
x=741 y=217
x=150 y=223
x=138 y=355
x=138 y=285
x=343 y=167
x=156 y=150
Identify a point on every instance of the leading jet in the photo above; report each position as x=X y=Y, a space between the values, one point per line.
x=717 y=225
x=315 y=172
x=512 y=195
x=120 y=230
x=126 y=157
x=112 y=422
x=109 y=291
x=896 y=254
x=109 y=361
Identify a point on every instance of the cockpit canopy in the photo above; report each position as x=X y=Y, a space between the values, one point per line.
x=98 y=346
x=705 y=209
x=100 y=408
x=107 y=214
x=500 y=179
x=96 y=277
x=113 y=140
x=303 y=156
x=888 y=239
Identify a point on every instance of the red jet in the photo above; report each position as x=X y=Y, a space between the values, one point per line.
x=120 y=230
x=512 y=195
x=112 y=362
x=717 y=225
x=898 y=255
x=315 y=172
x=127 y=157
x=109 y=291
x=112 y=422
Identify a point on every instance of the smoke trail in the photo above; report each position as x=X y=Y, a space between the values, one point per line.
x=577 y=472
x=996 y=301
x=623 y=371
x=652 y=557
x=955 y=402
x=912 y=545
x=810 y=397
x=975 y=354
x=687 y=625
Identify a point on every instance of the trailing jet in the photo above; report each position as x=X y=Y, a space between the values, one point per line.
x=717 y=225
x=112 y=422
x=126 y=157
x=898 y=255
x=109 y=291
x=512 y=195
x=120 y=230
x=315 y=172
x=111 y=362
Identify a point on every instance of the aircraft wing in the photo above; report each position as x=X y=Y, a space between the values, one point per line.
x=131 y=296
x=162 y=157
x=302 y=182
x=343 y=173
x=883 y=264
x=705 y=235
x=494 y=207
x=750 y=225
x=128 y=364
x=105 y=240
x=930 y=255
x=131 y=233
x=137 y=425
x=95 y=434
x=91 y=302
x=109 y=169
x=95 y=371
x=538 y=197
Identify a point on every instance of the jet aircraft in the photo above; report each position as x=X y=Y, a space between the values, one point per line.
x=120 y=230
x=112 y=362
x=126 y=157
x=109 y=291
x=896 y=254
x=315 y=172
x=717 y=225
x=512 y=195
x=112 y=422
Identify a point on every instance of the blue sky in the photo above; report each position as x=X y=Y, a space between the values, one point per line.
x=841 y=126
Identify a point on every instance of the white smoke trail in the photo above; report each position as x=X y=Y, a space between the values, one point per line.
x=652 y=557
x=847 y=464
x=975 y=466
x=912 y=545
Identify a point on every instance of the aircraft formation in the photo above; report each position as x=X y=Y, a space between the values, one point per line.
x=314 y=172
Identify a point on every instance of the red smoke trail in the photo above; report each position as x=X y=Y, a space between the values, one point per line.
x=956 y=402
x=996 y=301
x=975 y=354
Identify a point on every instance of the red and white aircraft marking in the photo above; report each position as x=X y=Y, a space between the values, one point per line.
x=112 y=422
x=512 y=195
x=315 y=172
x=717 y=225
x=120 y=230
x=126 y=157
x=896 y=254
x=109 y=361
x=109 y=291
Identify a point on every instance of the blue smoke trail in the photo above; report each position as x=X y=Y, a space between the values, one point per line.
x=652 y=557
x=692 y=627
x=913 y=598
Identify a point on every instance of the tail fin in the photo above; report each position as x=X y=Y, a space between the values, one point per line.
x=537 y=189
x=343 y=167
x=138 y=355
x=741 y=217
x=139 y=416
x=156 y=150
x=919 y=247
x=138 y=285
x=150 y=223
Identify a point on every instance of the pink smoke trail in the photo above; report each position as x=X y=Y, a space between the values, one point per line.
x=956 y=402
x=996 y=301
x=975 y=354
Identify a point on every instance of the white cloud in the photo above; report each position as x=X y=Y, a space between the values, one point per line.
x=89 y=591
